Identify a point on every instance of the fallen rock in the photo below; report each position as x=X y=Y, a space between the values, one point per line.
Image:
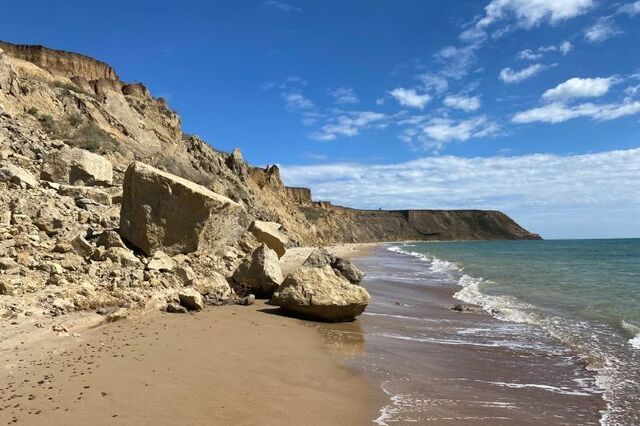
x=47 y=219
x=76 y=166
x=7 y=263
x=320 y=257
x=186 y=275
x=110 y=239
x=161 y=211
x=86 y=192
x=81 y=246
x=122 y=256
x=269 y=234
x=318 y=293
x=174 y=308
x=18 y=176
x=215 y=286
x=190 y=299
x=161 y=262
x=466 y=308
x=259 y=273
x=348 y=270
x=117 y=315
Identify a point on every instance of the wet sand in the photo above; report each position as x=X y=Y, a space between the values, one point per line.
x=225 y=365
x=442 y=367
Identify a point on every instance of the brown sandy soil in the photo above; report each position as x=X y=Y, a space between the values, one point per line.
x=225 y=365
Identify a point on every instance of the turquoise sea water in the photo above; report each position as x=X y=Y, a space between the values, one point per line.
x=584 y=293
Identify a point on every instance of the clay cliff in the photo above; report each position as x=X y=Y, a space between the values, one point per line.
x=106 y=204
x=352 y=225
x=51 y=98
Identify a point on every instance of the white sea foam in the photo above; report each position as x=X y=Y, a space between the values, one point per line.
x=634 y=330
x=548 y=388
x=611 y=371
x=377 y=314
x=511 y=344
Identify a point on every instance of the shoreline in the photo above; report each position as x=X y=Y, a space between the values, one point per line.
x=436 y=365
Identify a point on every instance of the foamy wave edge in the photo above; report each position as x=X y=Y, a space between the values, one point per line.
x=509 y=309
x=633 y=329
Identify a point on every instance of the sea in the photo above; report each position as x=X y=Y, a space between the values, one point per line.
x=555 y=338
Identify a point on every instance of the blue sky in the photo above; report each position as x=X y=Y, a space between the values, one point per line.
x=527 y=106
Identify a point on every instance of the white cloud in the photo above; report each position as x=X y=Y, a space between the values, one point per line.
x=471 y=103
x=531 y=13
x=630 y=9
x=632 y=91
x=433 y=82
x=579 y=88
x=281 y=5
x=529 y=55
x=565 y=47
x=446 y=129
x=603 y=29
x=344 y=95
x=349 y=124
x=558 y=112
x=456 y=61
x=410 y=98
x=433 y=133
x=576 y=195
x=296 y=101
x=309 y=118
x=510 y=76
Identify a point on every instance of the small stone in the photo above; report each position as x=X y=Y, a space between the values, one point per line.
x=174 y=308
x=18 y=176
x=190 y=299
x=161 y=262
x=7 y=263
x=81 y=246
x=110 y=239
x=186 y=274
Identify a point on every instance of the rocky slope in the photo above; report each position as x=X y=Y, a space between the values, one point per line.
x=70 y=239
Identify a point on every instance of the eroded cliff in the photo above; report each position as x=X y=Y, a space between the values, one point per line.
x=50 y=97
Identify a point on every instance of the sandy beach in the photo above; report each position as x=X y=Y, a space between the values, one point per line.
x=225 y=365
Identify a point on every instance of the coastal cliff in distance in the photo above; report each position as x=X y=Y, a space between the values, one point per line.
x=342 y=224
x=50 y=98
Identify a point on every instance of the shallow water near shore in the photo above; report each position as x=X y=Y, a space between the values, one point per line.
x=555 y=345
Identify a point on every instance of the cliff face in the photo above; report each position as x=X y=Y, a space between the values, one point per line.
x=340 y=224
x=50 y=98
x=60 y=62
x=299 y=195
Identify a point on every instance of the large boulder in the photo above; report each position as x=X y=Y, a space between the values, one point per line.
x=320 y=294
x=259 y=273
x=269 y=234
x=161 y=211
x=74 y=166
x=320 y=257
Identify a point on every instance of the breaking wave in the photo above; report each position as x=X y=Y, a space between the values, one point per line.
x=613 y=371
